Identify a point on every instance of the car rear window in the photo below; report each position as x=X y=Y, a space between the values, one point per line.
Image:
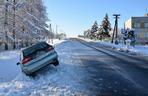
x=30 y=50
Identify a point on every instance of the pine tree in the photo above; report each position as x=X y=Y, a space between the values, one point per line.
x=105 y=28
x=94 y=29
x=87 y=33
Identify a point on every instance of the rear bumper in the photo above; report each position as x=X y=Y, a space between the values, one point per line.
x=38 y=64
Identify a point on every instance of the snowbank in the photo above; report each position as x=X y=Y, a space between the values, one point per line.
x=56 y=42
x=137 y=49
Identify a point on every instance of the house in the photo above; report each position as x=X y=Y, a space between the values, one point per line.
x=140 y=26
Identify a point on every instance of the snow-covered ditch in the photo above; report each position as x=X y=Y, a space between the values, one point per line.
x=50 y=81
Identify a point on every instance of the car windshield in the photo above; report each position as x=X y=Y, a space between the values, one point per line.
x=39 y=46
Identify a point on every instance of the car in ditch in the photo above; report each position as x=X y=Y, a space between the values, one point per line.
x=36 y=57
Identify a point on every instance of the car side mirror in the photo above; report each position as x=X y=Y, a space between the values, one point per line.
x=17 y=63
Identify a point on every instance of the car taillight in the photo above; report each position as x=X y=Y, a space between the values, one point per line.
x=27 y=59
x=49 y=49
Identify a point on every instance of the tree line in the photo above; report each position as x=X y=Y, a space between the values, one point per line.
x=99 y=32
x=22 y=22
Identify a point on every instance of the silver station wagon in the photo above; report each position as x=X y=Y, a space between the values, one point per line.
x=36 y=57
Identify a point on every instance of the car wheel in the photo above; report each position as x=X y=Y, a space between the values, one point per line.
x=55 y=63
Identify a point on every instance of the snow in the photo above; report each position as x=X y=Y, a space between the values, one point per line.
x=8 y=60
x=137 y=49
x=52 y=81
x=55 y=41
x=8 y=67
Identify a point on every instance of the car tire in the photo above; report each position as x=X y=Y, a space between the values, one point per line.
x=56 y=62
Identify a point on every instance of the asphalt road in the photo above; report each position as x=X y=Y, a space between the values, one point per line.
x=112 y=73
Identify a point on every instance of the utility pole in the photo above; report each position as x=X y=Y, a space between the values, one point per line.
x=113 y=35
x=115 y=31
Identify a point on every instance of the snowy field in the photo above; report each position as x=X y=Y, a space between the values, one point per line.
x=137 y=49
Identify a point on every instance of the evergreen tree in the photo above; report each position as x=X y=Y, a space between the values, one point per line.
x=94 y=29
x=87 y=33
x=105 y=28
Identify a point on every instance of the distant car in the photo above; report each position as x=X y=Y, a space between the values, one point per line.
x=36 y=57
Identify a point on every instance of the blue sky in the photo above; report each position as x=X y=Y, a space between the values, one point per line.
x=75 y=16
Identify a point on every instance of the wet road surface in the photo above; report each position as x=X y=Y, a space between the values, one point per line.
x=111 y=73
